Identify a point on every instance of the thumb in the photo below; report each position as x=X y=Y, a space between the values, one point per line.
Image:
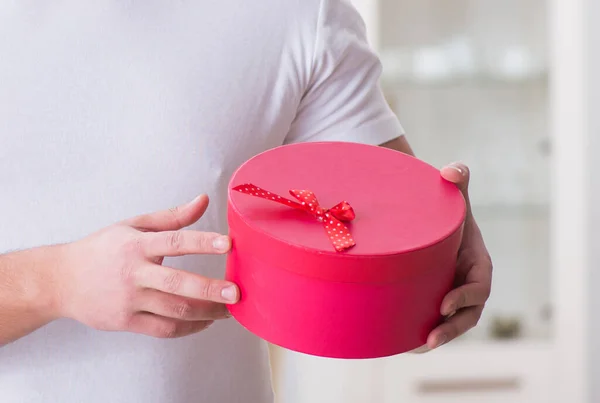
x=459 y=174
x=172 y=219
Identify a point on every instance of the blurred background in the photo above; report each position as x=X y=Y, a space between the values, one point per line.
x=507 y=86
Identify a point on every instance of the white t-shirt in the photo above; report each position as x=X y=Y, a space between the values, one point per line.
x=112 y=108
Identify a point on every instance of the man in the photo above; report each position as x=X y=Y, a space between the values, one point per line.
x=110 y=109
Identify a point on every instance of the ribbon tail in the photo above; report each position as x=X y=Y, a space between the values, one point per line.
x=338 y=233
x=253 y=190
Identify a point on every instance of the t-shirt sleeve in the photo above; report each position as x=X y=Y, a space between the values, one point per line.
x=343 y=100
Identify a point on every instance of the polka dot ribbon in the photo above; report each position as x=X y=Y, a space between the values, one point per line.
x=332 y=218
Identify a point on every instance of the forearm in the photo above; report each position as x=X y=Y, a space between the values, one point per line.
x=26 y=291
x=399 y=144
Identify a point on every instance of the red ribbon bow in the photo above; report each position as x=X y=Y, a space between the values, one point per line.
x=332 y=218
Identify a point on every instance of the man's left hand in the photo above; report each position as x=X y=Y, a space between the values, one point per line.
x=463 y=306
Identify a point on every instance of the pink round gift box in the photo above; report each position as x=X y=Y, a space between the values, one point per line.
x=369 y=287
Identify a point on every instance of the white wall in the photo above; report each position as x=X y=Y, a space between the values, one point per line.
x=593 y=113
x=570 y=123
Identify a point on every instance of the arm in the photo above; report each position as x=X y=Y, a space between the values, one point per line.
x=114 y=279
x=399 y=144
x=26 y=300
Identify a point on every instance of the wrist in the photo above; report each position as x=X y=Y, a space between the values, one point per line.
x=39 y=270
x=50 y=297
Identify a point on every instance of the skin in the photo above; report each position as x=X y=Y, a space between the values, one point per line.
x=115 y=280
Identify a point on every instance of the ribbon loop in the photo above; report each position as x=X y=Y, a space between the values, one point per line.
x=332 y=218
x=343 y=211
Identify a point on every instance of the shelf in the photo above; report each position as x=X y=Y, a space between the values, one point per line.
x=527 y=210
x=479 y=80
x=516 y=346
x=517 y=237
x=457 y=64
x=479 y=336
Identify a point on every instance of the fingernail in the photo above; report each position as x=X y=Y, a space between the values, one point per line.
x=229 y=293
x=441 y=341
x=420 y=350
x=451 y=310
x=221 y=243
x=194 y=201
x=456 y=168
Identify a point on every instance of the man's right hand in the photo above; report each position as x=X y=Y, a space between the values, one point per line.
x=114 y=279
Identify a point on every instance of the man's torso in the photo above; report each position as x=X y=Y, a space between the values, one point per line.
x=114 y=108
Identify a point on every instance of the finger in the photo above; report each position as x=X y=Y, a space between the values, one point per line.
x=455 y=326
x=172 y=219
x=165 y=328
x=465 y=296
x=186 y=284
x=177 y=243
x=172 y=306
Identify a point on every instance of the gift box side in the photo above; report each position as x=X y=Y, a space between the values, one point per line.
x=347 y=320
x=339 y=267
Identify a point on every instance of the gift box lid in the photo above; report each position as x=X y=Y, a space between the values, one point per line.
x=366 y=203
